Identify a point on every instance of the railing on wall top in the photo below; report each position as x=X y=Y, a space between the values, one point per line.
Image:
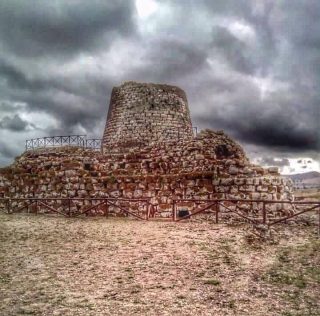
x=58 y=141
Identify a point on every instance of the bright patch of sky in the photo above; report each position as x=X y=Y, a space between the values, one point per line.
x=241 y=30
x=40 y=120
x=301 y=165
x=163 y=20
x=267 y=85
x=296 y=165
x=146 y=7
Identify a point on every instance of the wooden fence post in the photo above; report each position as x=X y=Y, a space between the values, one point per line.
x=217 y=213
x=174 y=214
x=69 y=207
x=319 y=221
x=264 y=214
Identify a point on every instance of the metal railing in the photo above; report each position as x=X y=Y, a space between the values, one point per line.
x=195 y=130
x=58 y=141
x=94 y=143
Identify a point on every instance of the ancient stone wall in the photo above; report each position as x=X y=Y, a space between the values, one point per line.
x=207 y=167
x=149 y=151
x=142 y=114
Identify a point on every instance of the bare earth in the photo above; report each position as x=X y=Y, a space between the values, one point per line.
x=97 y=266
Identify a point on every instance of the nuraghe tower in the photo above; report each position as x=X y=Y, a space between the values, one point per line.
x=149 y=151
x=143 y=114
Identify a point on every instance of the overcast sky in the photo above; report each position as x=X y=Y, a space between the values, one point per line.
x=251 y=68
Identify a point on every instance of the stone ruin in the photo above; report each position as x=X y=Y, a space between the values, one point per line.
x=149 y=150
x=146 y=114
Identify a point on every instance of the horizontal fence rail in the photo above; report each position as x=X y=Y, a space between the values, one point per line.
x=266 y=212
x=58 y=141
x=73 y=207
x=93 y=143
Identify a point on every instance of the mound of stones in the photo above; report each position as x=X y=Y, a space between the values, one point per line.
x=208 y=166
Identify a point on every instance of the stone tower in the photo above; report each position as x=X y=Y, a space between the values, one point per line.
x=142 y=114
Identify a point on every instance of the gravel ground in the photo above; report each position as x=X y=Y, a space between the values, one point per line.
x=96 y=266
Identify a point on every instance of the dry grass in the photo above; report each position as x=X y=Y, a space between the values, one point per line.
x=307 y=194
x=97 y=266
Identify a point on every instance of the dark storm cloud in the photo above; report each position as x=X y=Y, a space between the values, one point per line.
x=286 y=50
x=276 y=132
x=16 y=79
x=228 y=47
x=69 y=100
x=168 y=60
x=258 y=15
x=175 y=58
x=251 y=68
x=88 y=87
x=274 y=125
x=7 y=151
x=69 y=111
x=7 y=106
x=14 y=123
x=301 y=22
x=40 y=28
x=38 y=40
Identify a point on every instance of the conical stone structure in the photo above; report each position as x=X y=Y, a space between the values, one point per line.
x=143 y=114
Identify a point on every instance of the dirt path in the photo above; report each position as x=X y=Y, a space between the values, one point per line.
x=97 y=266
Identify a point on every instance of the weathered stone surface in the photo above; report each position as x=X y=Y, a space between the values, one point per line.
x=142 y=114
x=209 y=165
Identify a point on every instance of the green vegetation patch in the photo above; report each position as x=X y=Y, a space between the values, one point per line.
x=296 y=272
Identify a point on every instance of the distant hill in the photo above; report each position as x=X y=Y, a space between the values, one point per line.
x=303 y=176
x=305 y=180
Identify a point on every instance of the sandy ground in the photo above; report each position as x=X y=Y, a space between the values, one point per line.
x=97 y=266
